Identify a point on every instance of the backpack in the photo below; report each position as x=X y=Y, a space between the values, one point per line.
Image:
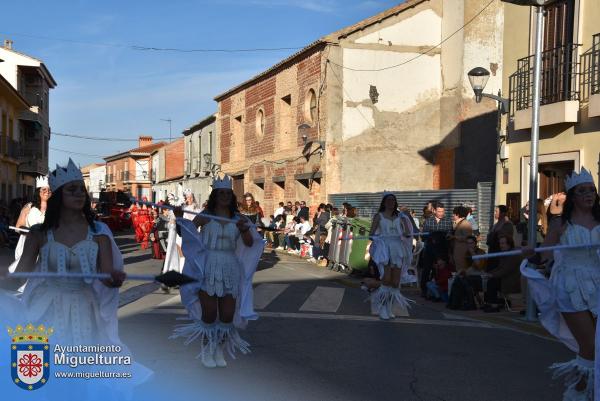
x=462 y=296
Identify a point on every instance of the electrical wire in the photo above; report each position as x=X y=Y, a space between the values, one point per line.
x=101 y=138
x=153 y=48
x=420 y=54
x=76 y=153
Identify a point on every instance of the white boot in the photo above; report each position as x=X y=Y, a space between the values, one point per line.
x=381 y=298
x=574 y=372
x=219 y=356
x=207 y=333
x=208 y=359
x=390 y=306
x=228 y=339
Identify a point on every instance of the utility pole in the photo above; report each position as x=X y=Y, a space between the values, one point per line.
x=169 y=121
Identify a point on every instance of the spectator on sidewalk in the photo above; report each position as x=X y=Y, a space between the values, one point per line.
x=439 y=227
x=280 y=210
x=502 y=227
x=472 y=220
x=437 y=288
x=462 y=230
x=250 y=209
x=505 y=277
x=304 y=211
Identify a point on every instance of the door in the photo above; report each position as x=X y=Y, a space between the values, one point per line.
x=552 y=177
x=558 y=55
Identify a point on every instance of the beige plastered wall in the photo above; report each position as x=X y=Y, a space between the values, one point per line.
x=579 y=141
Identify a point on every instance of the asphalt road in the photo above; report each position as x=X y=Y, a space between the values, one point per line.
x=317 y=340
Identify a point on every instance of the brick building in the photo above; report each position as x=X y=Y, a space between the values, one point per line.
x=130 y=171
x=382 y=104
x=260 y=142
x=167 y=170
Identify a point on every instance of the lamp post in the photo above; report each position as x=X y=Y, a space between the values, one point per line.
x=535 y=125
x=478 y=78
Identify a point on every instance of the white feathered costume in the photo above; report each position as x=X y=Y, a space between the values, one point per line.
x=197 y=248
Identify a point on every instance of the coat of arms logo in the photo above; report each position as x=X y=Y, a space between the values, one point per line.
x=30 y=355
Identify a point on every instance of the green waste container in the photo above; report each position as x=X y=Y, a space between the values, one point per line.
x=360 y=228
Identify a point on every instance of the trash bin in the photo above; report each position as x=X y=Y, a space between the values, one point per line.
x=360 y=228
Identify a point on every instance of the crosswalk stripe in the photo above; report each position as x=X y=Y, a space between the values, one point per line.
x=399 y=311
x=265 y=293
x=324 y=299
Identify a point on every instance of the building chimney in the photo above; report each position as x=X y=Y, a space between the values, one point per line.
x=8 y=44
x=144 y=141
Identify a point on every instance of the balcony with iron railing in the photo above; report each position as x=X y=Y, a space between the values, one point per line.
x=559 y=94
x=590 y=77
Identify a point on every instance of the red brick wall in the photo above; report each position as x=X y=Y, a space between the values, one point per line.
x=225 y=129
x=174 y=157
x=263 y=95
x=309 y=74
x=260 y=96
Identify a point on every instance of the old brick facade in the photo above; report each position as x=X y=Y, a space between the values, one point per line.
x=261 y=127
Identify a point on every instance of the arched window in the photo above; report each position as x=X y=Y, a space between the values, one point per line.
x=311 y=106
x=260 y=123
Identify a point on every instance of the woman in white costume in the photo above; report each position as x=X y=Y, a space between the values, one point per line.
x=69 y=240
x=174 y=259
x=223 y=258
x=80 y=311
x=31 y=215
x=190 y=204
x=391 y=251
x=568 y=302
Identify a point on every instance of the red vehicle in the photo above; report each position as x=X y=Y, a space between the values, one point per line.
x=113 y=209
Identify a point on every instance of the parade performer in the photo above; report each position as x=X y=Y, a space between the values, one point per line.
x=391 y=251
x=190 y=204
x=32 y=214
x=145 y=222
x=223 y=258
x=568 y=302
x=80 y=312
x=69 y=240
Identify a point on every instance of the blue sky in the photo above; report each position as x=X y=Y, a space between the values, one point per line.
x=113 y=91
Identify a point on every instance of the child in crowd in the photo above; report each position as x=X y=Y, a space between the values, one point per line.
x=437 y=288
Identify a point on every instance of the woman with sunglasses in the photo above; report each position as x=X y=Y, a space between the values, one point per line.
x=574 y=284
x=32 y=214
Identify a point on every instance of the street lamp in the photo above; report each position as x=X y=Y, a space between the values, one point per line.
x=478 y=78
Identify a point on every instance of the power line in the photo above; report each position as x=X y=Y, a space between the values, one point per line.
x=102 y=138
x=154 y=48
x=420 y=54
x=76 y=153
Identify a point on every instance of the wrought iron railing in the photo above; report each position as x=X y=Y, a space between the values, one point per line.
x=560 y=68
x=590 y=70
